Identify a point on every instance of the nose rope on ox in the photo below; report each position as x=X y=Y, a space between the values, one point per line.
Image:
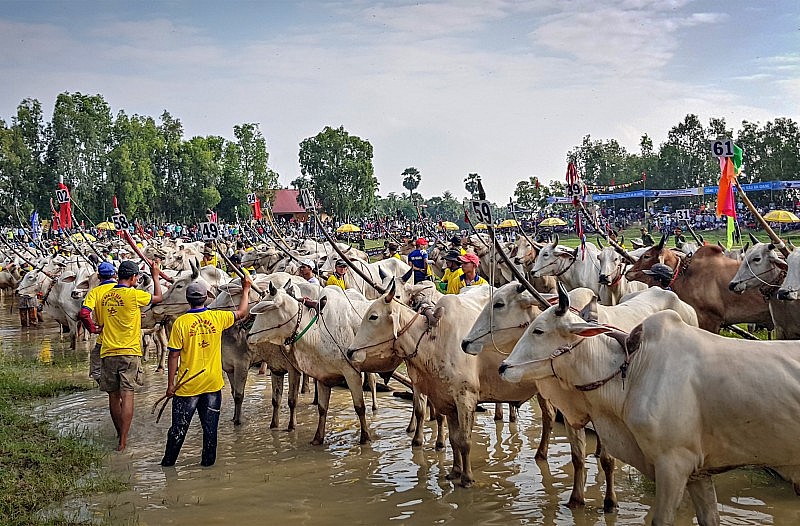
x=393 y=339
x=565 y=349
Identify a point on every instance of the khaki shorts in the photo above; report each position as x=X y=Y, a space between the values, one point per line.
x=120 y=373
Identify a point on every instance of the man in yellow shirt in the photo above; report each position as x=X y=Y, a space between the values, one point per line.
x=107 y=274
x=120 y=317
x=337 y=278
x=470 y=277
x=209 y=257
x=452 y=272
x=195 y=355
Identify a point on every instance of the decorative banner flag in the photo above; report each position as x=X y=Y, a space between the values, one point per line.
x=64 y=206
x=35 y=225
x=729 y=166
x=577 y=191
x=726 y=204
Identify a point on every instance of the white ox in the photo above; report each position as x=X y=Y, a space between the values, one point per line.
x=694 y=404
x=452 y=380
x=611 y=275
x=762 y=267
x=570 y=266
x=174 y=298
x=790 y=290
x=316 y=344
x=238 y=355
x=496 y=331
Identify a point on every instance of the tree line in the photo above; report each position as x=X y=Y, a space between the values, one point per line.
x=684 y=160
x=159 y=175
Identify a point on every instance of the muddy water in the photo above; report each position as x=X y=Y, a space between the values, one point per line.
x=270 y=477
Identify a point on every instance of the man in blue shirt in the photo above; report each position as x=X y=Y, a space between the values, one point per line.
x=418 y=259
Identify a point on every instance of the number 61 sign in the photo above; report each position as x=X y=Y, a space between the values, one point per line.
x=722 y=147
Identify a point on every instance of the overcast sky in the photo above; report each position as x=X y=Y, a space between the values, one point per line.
x=502 y=88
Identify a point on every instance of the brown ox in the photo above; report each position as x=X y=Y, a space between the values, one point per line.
x=701 y=280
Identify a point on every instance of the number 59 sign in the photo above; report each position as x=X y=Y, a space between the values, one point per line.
x=482 y=211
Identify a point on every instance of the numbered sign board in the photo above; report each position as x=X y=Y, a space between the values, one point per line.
x=251 y=198
x=722 y=147
x=120 y=222
x=683 y=215
x=481 y=210
x=306 y=199
x=62 y=196
x=209 y=231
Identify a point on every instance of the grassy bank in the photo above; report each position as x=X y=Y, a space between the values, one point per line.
x=39 y=468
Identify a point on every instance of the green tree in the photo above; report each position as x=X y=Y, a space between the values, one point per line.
x=339 y=167
x=131 y=165
x=80 y=139
x=411 y=180
x=531 y=194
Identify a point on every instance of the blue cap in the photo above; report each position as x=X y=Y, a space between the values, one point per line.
x=106 y=269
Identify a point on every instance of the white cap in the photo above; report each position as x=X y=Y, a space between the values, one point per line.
x=307 y=262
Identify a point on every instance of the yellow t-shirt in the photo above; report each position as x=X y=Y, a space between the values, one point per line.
x=197 y=335
x=452 y=278
x=213 y=261
x=334 y=279
x=461 y=282
x=118 y=312
x=90 y=301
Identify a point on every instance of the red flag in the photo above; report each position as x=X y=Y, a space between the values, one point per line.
x=64 y=207
x=257 y=209
x=725 y=202
x=644 y=177
x=612 y=180
x=536 y=183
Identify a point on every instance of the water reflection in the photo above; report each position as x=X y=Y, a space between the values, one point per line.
x=265 y=476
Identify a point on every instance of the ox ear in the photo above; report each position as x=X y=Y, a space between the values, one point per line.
x=438 y=313
x=563 y=300
x=68 y=277
x=262 y=306
x=514 y=251
x=231 y=288
x=289 y=288
x=407 y=276
x=521 y=288
x=753 y=238
x=587 y=329
x=777 y=260
x=634 y=339
x=395 y=317
x=390 y=294
x=589 y=312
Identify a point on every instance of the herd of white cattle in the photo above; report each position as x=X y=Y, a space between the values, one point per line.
x=644 y=364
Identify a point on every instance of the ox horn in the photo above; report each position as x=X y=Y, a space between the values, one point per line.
x=599 y=242
x=195 y=266
x=790 y=245
x=272 y=290
x=390 y=295
x=663 y=241
x=563 y=300
x=555 y=241
x=381 y=274
x=745 y=247
x=753 y=238
x=407 y=276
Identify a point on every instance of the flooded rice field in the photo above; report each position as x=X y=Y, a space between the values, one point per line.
x=265 y=476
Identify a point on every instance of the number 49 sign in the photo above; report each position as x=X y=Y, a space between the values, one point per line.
x=209 y=231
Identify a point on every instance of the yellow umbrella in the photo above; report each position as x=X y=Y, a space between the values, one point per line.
x=106 y=225
x=347 y=227
x=449 y=225
x=480 y=226
x=781 y=216
x=79 y=237
x=508 y=223
x=553 y=221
